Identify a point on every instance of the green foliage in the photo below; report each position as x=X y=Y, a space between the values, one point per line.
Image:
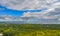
x=30 y=29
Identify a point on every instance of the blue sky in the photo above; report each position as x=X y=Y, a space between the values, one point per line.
x=31 y=11
x=10 y=7
x=6 y=11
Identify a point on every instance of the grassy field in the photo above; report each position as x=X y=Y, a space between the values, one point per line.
x=30 y=29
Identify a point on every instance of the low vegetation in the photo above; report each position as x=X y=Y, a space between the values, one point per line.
x=30 y=29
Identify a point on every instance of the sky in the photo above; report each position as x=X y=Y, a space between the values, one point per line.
x=12 y=12
x=6 y=11
x=30 y=11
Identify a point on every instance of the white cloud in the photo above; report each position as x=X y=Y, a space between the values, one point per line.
x=27 y=4
x=50 y=16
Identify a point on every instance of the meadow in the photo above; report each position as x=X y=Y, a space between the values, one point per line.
x=30 y=29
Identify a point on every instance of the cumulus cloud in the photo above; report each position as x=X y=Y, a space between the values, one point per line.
x=27 y=4
x=50 y=16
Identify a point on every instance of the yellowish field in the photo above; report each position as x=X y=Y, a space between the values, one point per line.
x=41 y=33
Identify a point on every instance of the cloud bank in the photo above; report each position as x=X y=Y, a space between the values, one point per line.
x=27 y=4
x=49 y=16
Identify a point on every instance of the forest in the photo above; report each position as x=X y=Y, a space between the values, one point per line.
x=30 y=29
